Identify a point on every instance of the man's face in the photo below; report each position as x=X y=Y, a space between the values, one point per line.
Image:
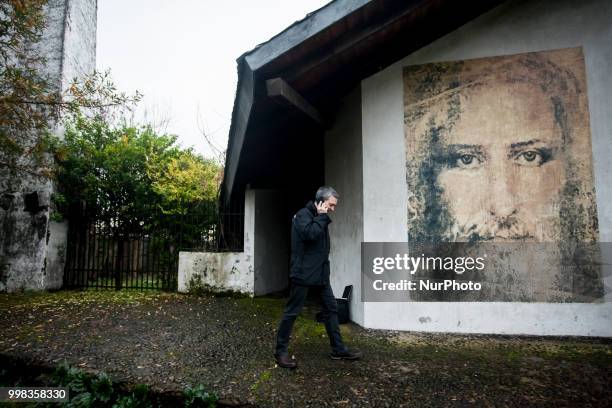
x=331 y=203
x=502 y=170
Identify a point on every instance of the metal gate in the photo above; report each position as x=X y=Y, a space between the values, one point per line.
x=101 y=257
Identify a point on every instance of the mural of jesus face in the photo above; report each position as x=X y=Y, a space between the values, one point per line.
x=498 y=150
x=502 y=178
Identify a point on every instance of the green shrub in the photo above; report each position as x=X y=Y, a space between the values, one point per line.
x=198 y=397
x=139 y=398
x=84 y=390
x=97 y=391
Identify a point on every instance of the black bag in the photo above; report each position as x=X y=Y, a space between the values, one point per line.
x=343 y=306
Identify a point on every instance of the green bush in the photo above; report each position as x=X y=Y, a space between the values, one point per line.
x=198 y=397
x=139 y=398
x=92 y=391
x=84 y=390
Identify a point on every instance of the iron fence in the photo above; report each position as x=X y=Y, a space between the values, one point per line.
x=103 y=254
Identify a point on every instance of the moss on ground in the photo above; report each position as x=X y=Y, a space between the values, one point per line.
x=171 y=340
x=71 y=297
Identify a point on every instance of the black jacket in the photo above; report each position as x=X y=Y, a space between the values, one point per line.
x=309 y=247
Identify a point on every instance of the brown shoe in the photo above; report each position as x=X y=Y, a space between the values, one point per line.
x=285 y=361
x=346 y=355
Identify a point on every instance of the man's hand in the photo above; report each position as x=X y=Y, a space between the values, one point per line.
x=322 y=207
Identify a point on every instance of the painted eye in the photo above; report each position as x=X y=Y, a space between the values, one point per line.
x=464 y=157
x=529 y=158
x=467 y=161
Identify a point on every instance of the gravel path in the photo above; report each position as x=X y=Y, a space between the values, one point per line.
x=171 y=341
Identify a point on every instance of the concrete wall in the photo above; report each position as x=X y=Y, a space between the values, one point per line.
x=223 y=270
x=263 y=267
x=79 y=55
x=23 y=234
x=514 y=27
x=78 y=58
x=218 y=270
x=343 y=171
x=56 y=254
x=69 y=40
x=23 y=244
x=272 y=242
x=32 y=246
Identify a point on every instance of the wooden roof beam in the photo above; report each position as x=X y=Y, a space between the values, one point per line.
x=279 y=90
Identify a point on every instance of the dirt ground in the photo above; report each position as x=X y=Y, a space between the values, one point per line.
x=171 y=341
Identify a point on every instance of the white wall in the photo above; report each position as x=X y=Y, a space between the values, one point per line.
x=343 y=171
x=224 y=270
x=514 y=27
x=56 y=255
x=219 y=270
x=263 y=266
x=79 y=42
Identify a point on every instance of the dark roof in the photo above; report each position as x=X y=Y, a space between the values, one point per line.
x=322 y=57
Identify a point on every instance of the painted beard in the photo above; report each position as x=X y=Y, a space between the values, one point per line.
x=517 y=246
x=511 y=228
x=431 y=219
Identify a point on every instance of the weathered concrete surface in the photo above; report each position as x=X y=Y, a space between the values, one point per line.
x=32 y=248
x=24 y=241
x=223 y=270
x=343 y=171
x=263 y=266
x=217 y=270
x=514 y=27
x=56 y=254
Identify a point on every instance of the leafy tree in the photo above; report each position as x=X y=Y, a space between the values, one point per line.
x=31 y=104
x=134 y=182
x=185 y=178
x=106 y=169
x=128 y=175
x=188 y=185
x=21 y=84
x=121 y=172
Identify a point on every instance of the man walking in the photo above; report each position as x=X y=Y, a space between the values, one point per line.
x=309 y=270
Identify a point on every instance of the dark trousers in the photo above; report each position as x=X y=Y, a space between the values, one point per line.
x=297 y=296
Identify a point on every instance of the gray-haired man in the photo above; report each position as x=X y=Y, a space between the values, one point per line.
x=310 y=271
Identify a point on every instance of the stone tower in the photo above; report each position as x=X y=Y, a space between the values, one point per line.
x=33 y=247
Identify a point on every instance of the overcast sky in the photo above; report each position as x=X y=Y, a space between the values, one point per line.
x=182 y=56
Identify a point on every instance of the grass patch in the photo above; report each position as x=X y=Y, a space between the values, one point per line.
x=76 y=297
x=266 y=307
